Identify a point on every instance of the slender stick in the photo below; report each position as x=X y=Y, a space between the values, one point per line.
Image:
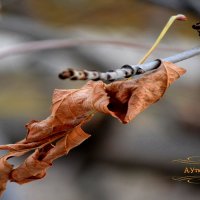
x=126 y=70
x=66 y=43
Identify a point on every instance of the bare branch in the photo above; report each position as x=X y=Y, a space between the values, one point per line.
x=66 y=43
x=126 y=70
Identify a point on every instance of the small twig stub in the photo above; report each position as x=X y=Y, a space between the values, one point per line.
x=197 y=27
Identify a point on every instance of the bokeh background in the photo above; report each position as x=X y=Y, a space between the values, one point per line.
x=129 y=162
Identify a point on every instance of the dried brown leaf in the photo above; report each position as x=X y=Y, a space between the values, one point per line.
x=131 y=97
x=35 y=165
x=71 y=109
x=6 y=168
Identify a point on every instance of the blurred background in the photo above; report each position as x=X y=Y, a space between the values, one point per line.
x=119 y=161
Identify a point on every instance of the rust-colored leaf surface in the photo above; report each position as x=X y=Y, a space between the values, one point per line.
x=131 y=97
x=61 y=131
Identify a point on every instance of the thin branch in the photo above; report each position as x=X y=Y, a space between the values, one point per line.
x=174 y=59
x=66 y=43
x=126 y=70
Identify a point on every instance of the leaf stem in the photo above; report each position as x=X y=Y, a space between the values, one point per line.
x=162 y=34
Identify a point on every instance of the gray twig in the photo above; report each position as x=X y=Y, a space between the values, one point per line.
x=174 y=59
x=126 y=70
